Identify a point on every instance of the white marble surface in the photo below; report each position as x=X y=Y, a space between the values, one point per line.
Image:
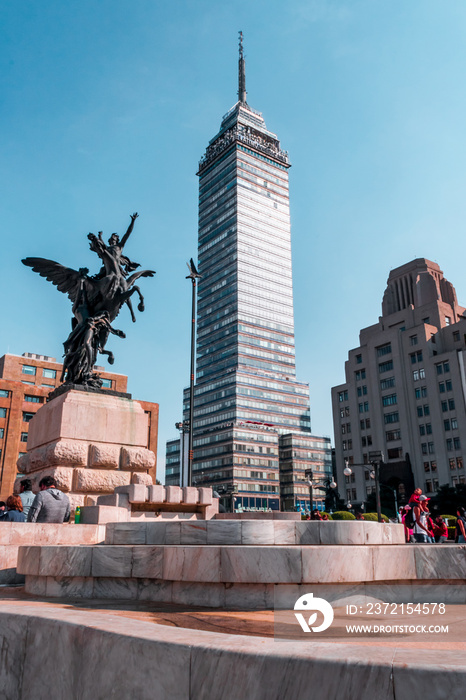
x=260 y=564
x=147 y=562
x=334 y=564
x=112 y=561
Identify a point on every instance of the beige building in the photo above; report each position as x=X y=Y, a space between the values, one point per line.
x=405 y=389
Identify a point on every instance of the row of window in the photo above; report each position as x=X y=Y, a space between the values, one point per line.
x=32 y=371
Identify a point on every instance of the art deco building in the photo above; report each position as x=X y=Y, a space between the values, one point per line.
x=405 y=389
x=246 y=394
x=25 y=383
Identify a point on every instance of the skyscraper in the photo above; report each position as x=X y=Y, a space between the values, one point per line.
x=246 y=393
x=405 y=389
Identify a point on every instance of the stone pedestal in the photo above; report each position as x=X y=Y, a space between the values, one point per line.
x=90 y=443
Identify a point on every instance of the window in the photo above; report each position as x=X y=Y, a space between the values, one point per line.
x=447 y=320
x=449 y=444
x=424 y=448
x=107 y=383
x=426 y=320
x=428 y=486
x=422 y=430
x=1 y=433
x=387 y=383
x=426 y=409
x=348 y=427
x=457 y=443
x=394 y=452
x=443 y=367
x=342 y=396
x=386 y=366
x=451 y=404
x=419 y=412
x=33 y=399
x=426 y=467
x=4 y=394
x=448 y=385
x=24 y=382
x=358 y=359
x=27 y=416
x=444 y=405
x=389 y=400
x=360 y=374
x=452 y=463
x=343 y=429
x=342 y=412
x=384 y=350
x=28 y=369
x=428 y=429
x=454 y=424
x=344 y=445
x=368 y=423
x=459 y=463
x=363 y=442
x=49 y=386
x=433 y=466
x=422 y=373
x=24 y=437
x=416 y=375
x=49 y=373
x=2 y=412
x=346 y=410
x=391 y=435
x=416 y=357
x=391 y=417
x=430 y=446
x=362 y=424
x=456 y=336
x=413 y=339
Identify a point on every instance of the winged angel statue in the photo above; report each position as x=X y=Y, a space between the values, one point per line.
x=97 y=301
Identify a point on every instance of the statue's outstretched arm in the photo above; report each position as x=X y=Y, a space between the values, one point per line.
x=129 y=230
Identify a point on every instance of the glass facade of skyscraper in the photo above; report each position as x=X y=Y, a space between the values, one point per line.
x=246 y=394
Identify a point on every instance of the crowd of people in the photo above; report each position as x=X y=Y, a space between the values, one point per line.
x=50 y=505
x=418 y=522
x=421 y=527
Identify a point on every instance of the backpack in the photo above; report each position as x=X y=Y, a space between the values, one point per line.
x=409 y=519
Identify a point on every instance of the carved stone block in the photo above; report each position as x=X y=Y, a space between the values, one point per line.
x=157 y=493
x=173 y=494
x=99 y=480
x=136 y=459
x=142 y=478
x=102 y=456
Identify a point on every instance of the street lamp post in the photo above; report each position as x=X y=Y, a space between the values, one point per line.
x=193 y=276
x=375 y=459
x=183 y=427
x=310 y=480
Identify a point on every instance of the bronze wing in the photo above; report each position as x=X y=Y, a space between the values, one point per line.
x=64 y=278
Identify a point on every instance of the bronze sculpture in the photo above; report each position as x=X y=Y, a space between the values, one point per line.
x=97 y=301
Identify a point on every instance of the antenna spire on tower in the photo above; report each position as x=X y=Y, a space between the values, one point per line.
x=241 y=72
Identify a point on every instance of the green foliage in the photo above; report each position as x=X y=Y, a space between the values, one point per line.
x=387 y=502
x=373 y=517
x=329 y=515
x=448 y=499
x=342 y=515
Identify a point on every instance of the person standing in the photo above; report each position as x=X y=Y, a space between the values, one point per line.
x=26 y=495
x=50 y=505
x=440 y=530
x=420 y=529
x=461 y=525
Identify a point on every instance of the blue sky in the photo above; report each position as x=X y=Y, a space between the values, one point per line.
x=106 y=108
